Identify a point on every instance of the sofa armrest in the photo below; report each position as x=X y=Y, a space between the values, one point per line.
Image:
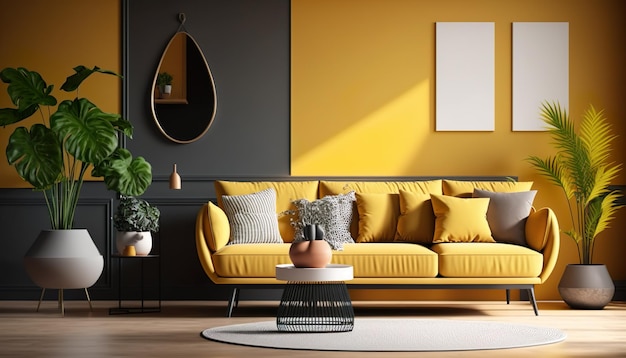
x=212 y=233
x=543 y=235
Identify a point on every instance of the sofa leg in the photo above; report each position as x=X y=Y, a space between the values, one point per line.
x=234 y=300
x=508 y=296
x=533 y=301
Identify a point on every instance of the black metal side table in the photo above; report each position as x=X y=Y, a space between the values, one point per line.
x=143 y=308
x=315 y=299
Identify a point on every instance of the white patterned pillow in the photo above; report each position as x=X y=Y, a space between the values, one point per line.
x=252 y=218
x=332 y=212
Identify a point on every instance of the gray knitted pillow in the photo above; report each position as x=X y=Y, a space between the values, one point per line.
x=252 y=218
x=332 y=212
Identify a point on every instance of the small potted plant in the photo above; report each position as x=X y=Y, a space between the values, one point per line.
x=135 y=220
x=164 y=84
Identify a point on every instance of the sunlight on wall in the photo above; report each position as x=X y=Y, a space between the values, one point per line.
x=403 y=121
x=362 y=98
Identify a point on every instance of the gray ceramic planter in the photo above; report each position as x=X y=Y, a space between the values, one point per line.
x=586 y=286
x=64 y=259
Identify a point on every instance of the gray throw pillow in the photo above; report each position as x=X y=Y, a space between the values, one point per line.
x=332 y=212
x=252 y=218
x=507 y=214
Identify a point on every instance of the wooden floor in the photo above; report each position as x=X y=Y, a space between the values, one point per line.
x=175 y=331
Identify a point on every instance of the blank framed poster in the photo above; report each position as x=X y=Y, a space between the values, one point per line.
x=465 y=76
x=540 y=71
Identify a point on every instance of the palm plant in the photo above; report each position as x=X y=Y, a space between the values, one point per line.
x=580 y=167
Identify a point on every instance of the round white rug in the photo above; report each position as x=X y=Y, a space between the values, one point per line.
x=392 y=335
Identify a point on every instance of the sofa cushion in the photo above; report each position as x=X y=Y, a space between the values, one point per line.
x=460 y=219
x=378 y=217
x=368 y=260
x=417 y=219
x=250 y=260
x=252 y=217
x=219 y=234
x=391 y=188
x=388 y=260
x=540 y=225
x=332 y=212
x=487 y=260
x=286 y=193
x=507 y=214
x=465 y=189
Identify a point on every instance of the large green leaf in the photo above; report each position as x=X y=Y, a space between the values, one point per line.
x=36 y=155
x=27 y=88
x=87 y=132
x=122 y=173
x=82 y=72
x=13 y=115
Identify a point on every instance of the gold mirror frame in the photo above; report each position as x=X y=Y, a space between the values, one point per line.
x=175 y=116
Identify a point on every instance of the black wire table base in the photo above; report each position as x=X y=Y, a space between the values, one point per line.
x=315 y=307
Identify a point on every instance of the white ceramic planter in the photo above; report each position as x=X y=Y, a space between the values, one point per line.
x=64 y=259
x=141 y=240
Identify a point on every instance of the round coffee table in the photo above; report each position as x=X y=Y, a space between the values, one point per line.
x=315 y=299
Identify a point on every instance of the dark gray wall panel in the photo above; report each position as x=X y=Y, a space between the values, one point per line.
x=246 y=43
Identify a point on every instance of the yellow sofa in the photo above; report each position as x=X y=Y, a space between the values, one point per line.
x=385 y=254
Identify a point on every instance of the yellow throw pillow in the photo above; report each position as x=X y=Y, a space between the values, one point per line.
x=220 y=228
x=417 y=220
x=378 y=215
x=461 y=219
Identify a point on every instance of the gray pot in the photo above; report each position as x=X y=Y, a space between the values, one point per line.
x=64 y=259
x=586 y=286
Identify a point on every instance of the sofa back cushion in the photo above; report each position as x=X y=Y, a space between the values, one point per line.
x=465 y=189
x=286 y=193
x=382 y=211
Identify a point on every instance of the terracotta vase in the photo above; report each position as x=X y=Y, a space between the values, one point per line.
x=310 y=254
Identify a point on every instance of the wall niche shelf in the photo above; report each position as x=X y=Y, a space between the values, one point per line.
x=171 y=101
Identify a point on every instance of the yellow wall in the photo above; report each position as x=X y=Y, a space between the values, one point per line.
x=363 y=84
x=52 y=37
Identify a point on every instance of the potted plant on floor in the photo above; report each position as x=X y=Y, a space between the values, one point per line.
x=581 y=168
x=53 y=156
x=135 y=219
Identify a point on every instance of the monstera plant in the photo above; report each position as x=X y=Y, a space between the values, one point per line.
x=67 y=142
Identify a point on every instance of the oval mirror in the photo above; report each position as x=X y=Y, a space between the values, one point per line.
x=183 y=99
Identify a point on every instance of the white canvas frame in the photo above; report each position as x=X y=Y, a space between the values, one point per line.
x=540 y=71
x=465 y=75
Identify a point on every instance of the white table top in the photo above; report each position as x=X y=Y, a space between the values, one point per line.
x=331 y=272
